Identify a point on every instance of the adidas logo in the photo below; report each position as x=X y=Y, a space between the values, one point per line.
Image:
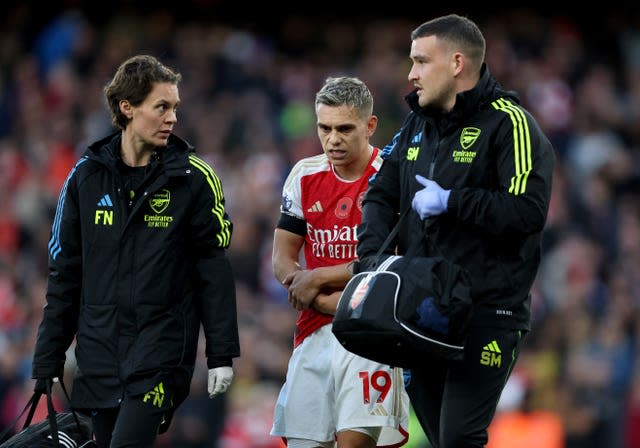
x=65 y=440
x=317 y=207
x=105 y=201
x=492 y=347
x=378 y=410
x=491 y=355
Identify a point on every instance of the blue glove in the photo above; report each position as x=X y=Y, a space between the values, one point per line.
x=431 y=200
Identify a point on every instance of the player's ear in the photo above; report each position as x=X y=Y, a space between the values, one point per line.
x=372 y=125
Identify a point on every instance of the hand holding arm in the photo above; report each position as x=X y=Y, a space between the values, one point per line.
x=305 y=286
x=431 y=200
x=302 y=288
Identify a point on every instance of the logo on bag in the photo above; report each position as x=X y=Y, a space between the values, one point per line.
x=359 y=293
x=65 y=440
x=491 y=355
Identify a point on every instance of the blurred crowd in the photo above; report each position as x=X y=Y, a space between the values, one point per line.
x=247 y=106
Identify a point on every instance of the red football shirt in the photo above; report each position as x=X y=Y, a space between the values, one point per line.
x=331 y=209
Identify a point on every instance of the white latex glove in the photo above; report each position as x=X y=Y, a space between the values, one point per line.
x=219 y=380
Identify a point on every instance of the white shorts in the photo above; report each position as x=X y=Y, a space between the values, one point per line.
x=329 y=389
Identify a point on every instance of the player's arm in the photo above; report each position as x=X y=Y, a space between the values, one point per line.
x=306 y=285
x=286 y=252
x=332 y=277
x=327 y=303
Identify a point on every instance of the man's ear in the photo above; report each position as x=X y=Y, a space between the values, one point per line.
x=459 y=61
x=372 y=124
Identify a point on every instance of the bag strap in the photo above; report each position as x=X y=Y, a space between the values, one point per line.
x=391 y=235
x=73 y=411
x=412 y=249
x=32 y=405
x=53 y=421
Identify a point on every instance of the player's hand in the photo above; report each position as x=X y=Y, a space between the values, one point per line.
x=303 y=289
x=431 y=200
x=219 y=380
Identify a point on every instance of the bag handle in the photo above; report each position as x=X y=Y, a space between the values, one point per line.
x=412 y=249
x=32 y=405
x=53 y=422
x=391 y=235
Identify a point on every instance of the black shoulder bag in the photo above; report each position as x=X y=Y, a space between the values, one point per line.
x=407 y=310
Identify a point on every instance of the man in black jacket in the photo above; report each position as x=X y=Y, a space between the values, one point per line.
x=137 y=264
x=476 y=169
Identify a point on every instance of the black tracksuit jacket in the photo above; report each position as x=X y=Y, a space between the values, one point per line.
x=133 y=281
x=498 y=164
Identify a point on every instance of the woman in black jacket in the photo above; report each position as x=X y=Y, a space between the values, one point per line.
x=137 y=264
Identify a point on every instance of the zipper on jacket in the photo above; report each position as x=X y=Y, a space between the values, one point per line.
x=426 y=226
x=434 y=154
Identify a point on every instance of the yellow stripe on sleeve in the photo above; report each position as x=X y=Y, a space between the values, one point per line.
x=224 y=236
x=521 y=145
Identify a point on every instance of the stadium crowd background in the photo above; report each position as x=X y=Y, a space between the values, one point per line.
x=247 y=105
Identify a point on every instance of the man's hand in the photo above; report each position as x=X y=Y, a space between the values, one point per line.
x=219 y=380
x=431 y=200
x=302 y=288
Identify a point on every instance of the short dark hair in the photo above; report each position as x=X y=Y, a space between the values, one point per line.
x=133 y=81
x=458 y=30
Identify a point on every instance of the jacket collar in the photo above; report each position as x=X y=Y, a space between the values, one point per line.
x=173 y=156
x=486 y=90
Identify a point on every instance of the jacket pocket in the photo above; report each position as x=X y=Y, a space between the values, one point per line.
x=161 y=339
x=96 y=348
